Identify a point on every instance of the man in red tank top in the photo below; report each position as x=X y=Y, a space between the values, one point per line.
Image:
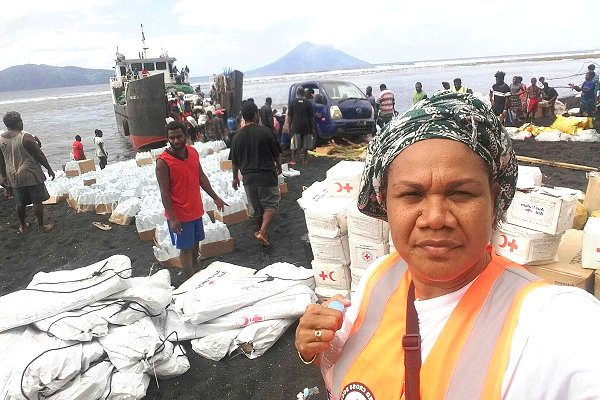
x=180 y=177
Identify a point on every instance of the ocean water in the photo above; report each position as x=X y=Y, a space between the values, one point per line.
x=57 y=115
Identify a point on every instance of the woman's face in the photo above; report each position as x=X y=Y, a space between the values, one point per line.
x=440 y=209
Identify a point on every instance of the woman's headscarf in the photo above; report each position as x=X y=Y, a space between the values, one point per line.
x=456 y=116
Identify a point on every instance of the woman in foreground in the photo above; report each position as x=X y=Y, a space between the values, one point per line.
x=443 y=175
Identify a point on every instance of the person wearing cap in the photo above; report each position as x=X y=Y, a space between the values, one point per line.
x=101 y=152
x=444 y=317
x=214 y=129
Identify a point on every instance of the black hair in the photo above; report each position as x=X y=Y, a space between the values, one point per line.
x=457 y=80
x=97 y=132
x=249 y=110
x=382 y=86
x=174 y=125
x=500 y=74
x=591 y=67
x=78 y=138
x=269 y=100
x=12 y=120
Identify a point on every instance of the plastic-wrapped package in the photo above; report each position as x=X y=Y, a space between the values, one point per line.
x=254 y=340
x=129 y=207
x=215 y=346
x=216 y=232
x=152 y=292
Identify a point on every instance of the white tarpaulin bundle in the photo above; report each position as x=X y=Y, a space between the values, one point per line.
x=51 y=293
x=138 y=348
x=44 y=364
x=222 y=296
x=285 y=305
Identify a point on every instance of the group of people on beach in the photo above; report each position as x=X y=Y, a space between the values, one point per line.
x=78 y=153
x=517 y=103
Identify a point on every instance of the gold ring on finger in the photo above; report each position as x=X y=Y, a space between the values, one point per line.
x=318 y=333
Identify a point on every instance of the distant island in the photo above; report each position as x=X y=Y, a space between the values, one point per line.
x=305 y=58
x=40 y=76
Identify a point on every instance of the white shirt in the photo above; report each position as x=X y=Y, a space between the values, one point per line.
x=99 y=150
x=555 y=352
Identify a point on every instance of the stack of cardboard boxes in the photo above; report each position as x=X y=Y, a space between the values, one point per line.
x=368 y=239
x=538 y=234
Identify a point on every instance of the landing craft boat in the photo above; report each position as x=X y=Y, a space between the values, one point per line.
x=140 y=104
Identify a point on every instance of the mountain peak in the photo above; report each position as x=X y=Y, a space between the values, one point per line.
x=310 y=57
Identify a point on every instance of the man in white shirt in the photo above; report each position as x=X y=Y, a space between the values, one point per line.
x=100 y=151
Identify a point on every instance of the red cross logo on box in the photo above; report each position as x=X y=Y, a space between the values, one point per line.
x=345 y=187
x=366 y=256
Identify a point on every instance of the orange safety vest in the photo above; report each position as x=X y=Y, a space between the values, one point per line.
x=468 y=359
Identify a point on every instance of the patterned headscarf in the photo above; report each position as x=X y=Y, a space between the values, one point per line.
x=456 y=116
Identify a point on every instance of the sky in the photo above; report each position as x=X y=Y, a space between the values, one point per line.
x=210 y=36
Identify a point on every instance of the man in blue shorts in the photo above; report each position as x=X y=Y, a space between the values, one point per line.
x=180 y=177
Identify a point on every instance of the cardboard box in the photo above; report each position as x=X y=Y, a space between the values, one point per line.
x=171 y=263
x=331 y=274
x=226 y=165
x=356 y=275
x=542 y=209
x=56 y=199
x=363 y=253
x=597 y=283
x=147 y=236
x=343 y=179
x=325 y=293
x=102 y=209
x=369 y=228
x=590 y=253
x=232 y=219
x=327 y=218
x=120 y=219
x=283 y=188
x=211 y=215
x=523 y=245
x=72 y=203
x=81 y=208
x=86 y=166
x=330 y=249
x=89 y=182
x=592 y=193
x=140 y=162
x=529 y=176
x=567 y=271
x=215 y=249
x=71 y=173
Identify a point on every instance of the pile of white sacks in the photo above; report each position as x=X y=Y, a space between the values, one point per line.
x=132 y=192
x=344 y=241
x=98 y=333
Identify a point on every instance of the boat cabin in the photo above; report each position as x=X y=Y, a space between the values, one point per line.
x=125 y=69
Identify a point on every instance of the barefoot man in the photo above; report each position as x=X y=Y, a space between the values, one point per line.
x=21 y=161
x=255 y=153
x=180 y=177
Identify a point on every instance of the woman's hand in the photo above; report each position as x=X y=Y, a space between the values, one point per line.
x=317 y=328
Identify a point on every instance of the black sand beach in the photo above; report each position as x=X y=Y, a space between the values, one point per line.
x=278 y=374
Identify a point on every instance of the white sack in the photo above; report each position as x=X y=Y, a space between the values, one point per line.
x=153 y=292
x=46 y=295
x=10 y=349
x=177 y=364
x=215 y=347
x=255 y=340
x=44 y=364
x=136 y=347
x=89 y=385
x=214 y=271
x=223 y=296
x=549 y=136
x=289 y=304
x=126 y=386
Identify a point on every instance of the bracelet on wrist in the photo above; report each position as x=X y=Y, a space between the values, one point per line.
x=304 y=361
